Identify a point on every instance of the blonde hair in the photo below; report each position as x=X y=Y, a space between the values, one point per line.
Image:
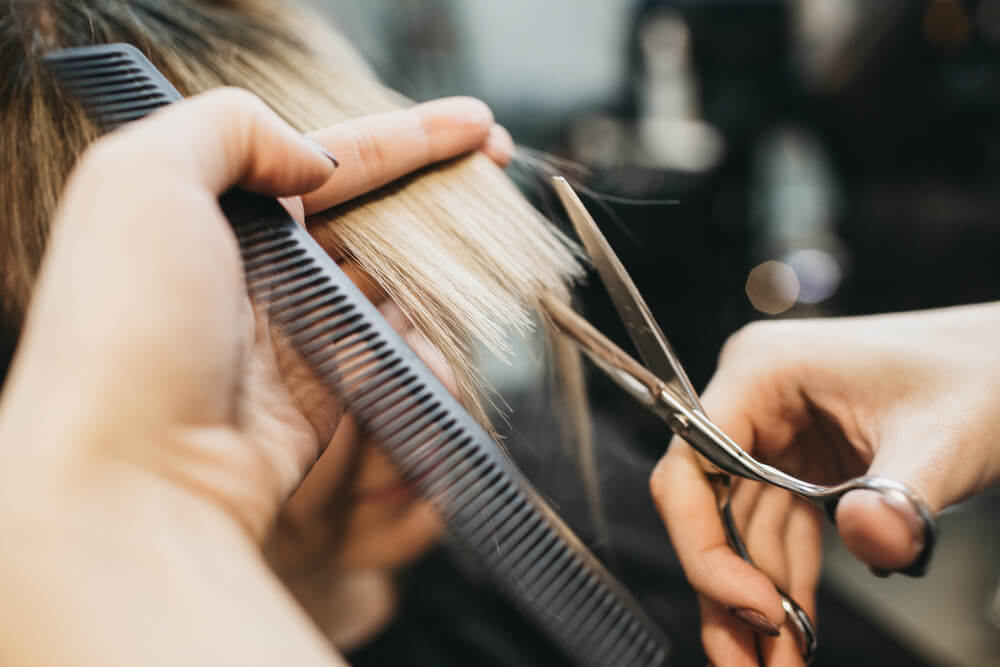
x=456 y=246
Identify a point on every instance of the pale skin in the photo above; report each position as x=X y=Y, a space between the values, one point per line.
x=142 y=477
x=148 y=440
x=913 y=397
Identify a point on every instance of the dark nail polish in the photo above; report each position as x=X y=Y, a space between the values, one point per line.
x=756 y=620
x=327 y=154
x=879 y=572
x=330 y=156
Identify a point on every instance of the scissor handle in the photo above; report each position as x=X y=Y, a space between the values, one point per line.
x=898 y=493
x=801 y=626
x=718 y=448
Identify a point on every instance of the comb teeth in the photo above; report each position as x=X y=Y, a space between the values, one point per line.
x=490 y=509
x=114 y=83
x=488 y=506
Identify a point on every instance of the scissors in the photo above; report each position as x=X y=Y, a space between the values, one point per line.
x=662 y=385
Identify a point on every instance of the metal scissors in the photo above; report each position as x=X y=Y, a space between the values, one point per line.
x=662 y=385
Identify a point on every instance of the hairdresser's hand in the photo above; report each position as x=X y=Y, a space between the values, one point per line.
x=382 y=148
x=146 y=438
x=354 y=520
x=912 y=397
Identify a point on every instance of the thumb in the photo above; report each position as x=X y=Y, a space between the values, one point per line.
x=229 y=137
x=884 y=528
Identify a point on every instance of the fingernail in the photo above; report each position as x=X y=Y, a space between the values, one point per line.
x=501 y=139
x=330 y=156
x=879 y=572
x=756 y=620
x=905 y=509
x=327 y=154
x=499 y=145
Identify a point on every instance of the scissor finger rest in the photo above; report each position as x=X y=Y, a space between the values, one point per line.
x=897 y=495
x=712 y=443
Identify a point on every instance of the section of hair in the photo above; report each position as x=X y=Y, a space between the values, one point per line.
x=456 y=246
x=42 y=131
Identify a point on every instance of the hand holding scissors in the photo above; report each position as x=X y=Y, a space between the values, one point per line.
x=662 y=385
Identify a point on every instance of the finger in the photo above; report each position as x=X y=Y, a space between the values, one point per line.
x=781 y=651
x=222 y=138
x=306 y=530
x=413 y=533
x=744 y=497
x=364 y=282
x=318 y=490
x=294 y=207
x=765 y=534
x=433 y=359
x=804 y=554
x=423 y=348
x=766 y=537
x=886 y=535
x=499 y=146
x=319 y=484
x=726 y=640
x=379 y=149
x=884 y=530
x=687 y=504
x=802 y=542
x=755 y=396
x=321 y=409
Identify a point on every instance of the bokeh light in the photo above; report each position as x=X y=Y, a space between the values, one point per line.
x=818 y=273
x=772 y=287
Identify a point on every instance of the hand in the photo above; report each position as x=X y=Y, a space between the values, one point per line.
x=912 y=397
x=353 y=521
x=147 y=441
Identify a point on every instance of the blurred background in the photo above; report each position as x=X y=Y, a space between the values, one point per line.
x=824 y=157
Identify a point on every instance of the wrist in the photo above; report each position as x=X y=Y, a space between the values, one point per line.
x=119 y=570
x=95 y=466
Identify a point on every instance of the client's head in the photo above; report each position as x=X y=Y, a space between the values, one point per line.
x=456 y=247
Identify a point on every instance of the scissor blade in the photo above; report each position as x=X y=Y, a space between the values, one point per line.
x=653 y=346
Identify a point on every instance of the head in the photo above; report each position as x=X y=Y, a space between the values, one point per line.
x=456 y=247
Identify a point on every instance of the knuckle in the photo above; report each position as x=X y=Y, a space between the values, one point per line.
x=370 y=153
x=105 y=162
x=658 y=480
x=422 y=136
x=751 y=337
x=660 y=485
x=237 y=107
x=231 y=99
x=99 y=155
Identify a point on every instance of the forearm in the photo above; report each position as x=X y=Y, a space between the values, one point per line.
x=141 y=576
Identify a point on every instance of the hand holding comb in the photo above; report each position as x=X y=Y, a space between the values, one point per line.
x=489 y=508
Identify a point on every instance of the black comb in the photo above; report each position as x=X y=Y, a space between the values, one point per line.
x=490 y=509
